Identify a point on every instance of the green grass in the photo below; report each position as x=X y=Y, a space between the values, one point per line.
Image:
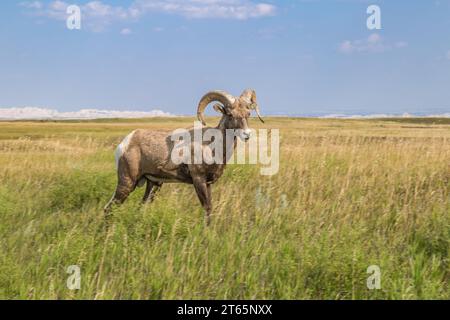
x=349 y=194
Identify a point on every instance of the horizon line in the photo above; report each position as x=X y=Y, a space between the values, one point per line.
x=35 y=113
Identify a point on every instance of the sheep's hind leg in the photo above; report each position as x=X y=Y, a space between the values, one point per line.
x=150 y=191
x=123 y=190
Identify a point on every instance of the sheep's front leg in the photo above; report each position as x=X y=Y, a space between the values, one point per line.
x=204 y=195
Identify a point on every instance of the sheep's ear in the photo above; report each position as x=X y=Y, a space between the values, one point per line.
x=220 y=108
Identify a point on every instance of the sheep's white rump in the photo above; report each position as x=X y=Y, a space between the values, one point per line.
x=123 y=147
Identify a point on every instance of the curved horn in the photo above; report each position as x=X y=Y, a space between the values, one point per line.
x=249 y=95
x=256 y=108
x=223 y=97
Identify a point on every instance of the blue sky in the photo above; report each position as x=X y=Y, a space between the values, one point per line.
x=303 y=57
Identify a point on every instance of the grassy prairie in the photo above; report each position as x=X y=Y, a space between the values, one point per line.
x=349 y=194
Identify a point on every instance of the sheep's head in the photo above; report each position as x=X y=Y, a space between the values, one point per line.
x=235 y=110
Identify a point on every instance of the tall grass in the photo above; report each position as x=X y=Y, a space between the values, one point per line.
x=349 y=194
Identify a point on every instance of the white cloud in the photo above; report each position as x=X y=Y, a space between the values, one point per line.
x=29 y=113
x=58 y=5
x=373 y=44
x=31 y=4
x=225 y=9
x=125 y=32
x=97 y=14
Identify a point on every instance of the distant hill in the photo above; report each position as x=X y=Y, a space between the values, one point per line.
x=31 y=113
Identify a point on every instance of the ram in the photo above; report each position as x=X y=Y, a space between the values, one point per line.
x=144 y=156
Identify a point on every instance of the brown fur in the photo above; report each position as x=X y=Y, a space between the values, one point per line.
x=148 y=155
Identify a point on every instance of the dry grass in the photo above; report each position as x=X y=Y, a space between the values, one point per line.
x=349 y=194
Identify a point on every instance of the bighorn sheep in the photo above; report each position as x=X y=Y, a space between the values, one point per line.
x=144 y=155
